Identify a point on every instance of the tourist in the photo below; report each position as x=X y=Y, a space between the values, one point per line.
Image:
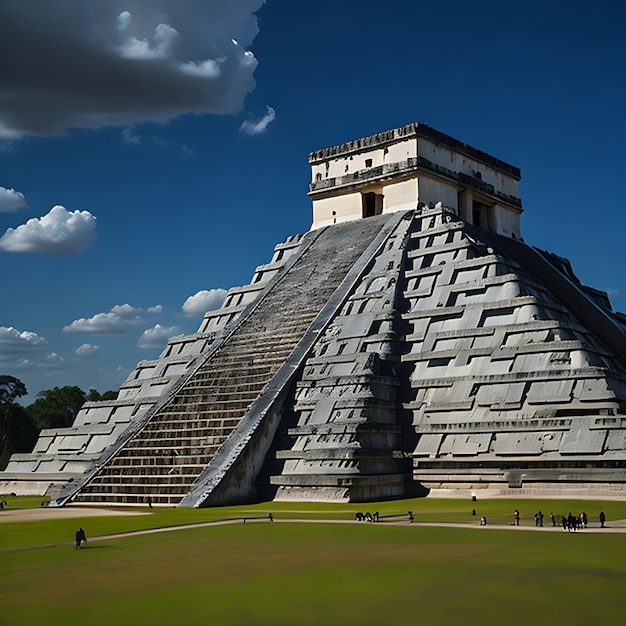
x=538 y=518
x=602 y=518
x=553 y=519
x=571 y=522
x=516 y=517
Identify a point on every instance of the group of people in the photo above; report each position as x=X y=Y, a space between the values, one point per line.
x=570 y=523
x=573 y=522
x=366 y=517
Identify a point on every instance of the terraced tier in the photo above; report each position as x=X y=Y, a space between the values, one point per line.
x=168 y=455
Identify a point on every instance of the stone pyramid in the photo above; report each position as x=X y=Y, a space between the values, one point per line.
x=409 y=343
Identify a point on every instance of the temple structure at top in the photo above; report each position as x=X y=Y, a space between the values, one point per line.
x=410 y=343
x=394 y=170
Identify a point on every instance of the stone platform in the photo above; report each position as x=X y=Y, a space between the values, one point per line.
x=401 y=346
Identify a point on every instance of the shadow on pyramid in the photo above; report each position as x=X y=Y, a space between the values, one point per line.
x=409 y=344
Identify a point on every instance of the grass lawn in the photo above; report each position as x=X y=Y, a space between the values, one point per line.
x=312 y=573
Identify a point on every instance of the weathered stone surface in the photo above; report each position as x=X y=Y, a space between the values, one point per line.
x=371 y=358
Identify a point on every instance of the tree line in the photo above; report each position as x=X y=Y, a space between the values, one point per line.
x=53 y=408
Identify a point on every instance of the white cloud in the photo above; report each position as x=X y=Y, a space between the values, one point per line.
x=120 y=320
x=86 y=349
x=48 y=363
x=24 y=352
x=51 y=360
x=20 y=364
x=203 y=301
x=256 y=127
x=58 y=232
x=11 y=200
x=160 y=47
x=129 y=136
x=157 y=336
x=205 y=69
x=121 y=62
x=13 y=341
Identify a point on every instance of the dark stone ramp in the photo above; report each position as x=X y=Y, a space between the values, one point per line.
x=201 y=423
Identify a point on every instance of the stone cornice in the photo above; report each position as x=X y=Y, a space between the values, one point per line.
x=410 y=131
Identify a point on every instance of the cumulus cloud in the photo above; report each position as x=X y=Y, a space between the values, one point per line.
x=160 y=47
x=120 y=320
x=254 y=126
x=58 y=232
x=24 y=351
x=51 y=360
x=129 y=136
x=203 y=301
x=11 y=200
x=13 y=341
x=19 y=364
x=86 y=349
x=157 y=336
x=48 y=363
x=89 y=64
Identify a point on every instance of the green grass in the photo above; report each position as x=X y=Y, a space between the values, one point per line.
x=24 y=502
x=306 y=573
x=21 y=534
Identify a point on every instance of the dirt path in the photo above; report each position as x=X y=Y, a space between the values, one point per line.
x=618 y=526
x=29 y=515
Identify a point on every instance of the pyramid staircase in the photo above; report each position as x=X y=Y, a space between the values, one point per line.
x=166 y=455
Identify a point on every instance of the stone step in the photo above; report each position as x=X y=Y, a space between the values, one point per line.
x=234 y=377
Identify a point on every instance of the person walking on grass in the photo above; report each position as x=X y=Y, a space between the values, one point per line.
x=80 y=538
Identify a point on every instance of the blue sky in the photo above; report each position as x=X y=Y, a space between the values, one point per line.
x=180 y=157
